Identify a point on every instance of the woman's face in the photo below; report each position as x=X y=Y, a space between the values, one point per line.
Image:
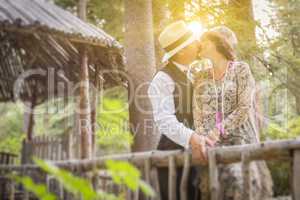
x=207 y=49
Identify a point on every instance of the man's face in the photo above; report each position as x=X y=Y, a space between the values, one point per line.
x=188 y=54
x=207 y=49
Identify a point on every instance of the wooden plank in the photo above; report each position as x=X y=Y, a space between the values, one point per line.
x=155 y=182
x=52 y=152
x=46 y=147
x=158 y=158
x=213 y=175
x=128 y=194
x=246 y=176
x=68 y=141
x=56 y=147
x=147 y=169
x=85 y=115
x=26 y=195
x=136 y=194
x=59 y=149
x=1 y=158
x=11 y=190
x=172 y=178
x=185 y=175
x=296 y=175
x=43 y=146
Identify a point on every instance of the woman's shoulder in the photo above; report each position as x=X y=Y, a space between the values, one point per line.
x=241 y=67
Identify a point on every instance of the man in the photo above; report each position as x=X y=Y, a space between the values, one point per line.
x=170 y=93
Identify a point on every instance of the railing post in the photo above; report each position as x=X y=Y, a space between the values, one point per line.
x=185 y=175
x=147 y=168
x=296 y=175
x=213 y=175
x=246 y=175
x=155 y=181
x=11 y=190
x=172 y=178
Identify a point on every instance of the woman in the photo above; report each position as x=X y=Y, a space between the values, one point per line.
x=222 y=108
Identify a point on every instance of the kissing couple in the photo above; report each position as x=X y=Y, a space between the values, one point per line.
x=203 y=97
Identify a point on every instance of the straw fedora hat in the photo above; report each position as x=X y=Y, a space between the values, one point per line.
x=175 y=37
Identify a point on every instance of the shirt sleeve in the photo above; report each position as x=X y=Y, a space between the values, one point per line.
x=245 y=92
x=161 y=96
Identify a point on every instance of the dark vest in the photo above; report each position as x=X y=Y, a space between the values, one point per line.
x=183 y=94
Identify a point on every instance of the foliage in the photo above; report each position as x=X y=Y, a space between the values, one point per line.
x=39 y=190
x=122 y=173
x=277 y=132
x=279 y=170
x=11 y=134
x=75 y=185
x=113 y=132
x=104 y=14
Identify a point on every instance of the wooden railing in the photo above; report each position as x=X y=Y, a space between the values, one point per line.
x=149 y=161
x=55 y=147
x=8 y=158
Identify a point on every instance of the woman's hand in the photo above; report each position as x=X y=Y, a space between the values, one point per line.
x=214 y=136
x=210 y=139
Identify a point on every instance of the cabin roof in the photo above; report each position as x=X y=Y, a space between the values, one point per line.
x=43 y=16
x=40 y=50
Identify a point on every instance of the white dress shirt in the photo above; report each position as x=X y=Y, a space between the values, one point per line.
x=161 y=95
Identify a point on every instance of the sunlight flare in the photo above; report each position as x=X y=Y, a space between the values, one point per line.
x=196 y=27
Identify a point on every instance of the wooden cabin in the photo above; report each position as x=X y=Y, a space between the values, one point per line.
x=44 y=51
x=37 y=36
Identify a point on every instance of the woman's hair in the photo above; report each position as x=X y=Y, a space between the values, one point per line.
x=227 y=33
x=221 y=43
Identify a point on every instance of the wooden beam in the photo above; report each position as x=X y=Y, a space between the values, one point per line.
x=261 y=151
x=84 y=111
x=61 y=35
x=94 y=105
x=29 y=118
x=185 y=176
x=172 y=179
x=213 y=175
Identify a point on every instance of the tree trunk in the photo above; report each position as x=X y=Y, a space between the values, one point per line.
x=240 y=19
x=297 y=98
x=160 y=20
x=85 y=112
x=82 y=7
x=139 y=52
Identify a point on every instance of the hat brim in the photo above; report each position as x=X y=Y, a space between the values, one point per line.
x=169 y=54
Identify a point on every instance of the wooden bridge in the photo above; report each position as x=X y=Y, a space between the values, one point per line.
x=148 y=162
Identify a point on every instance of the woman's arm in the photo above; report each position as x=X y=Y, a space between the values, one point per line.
x=245 y=93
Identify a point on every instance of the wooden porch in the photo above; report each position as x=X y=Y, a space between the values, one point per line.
x=148 y=162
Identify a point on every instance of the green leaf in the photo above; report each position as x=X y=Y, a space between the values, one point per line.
x=38 y=189
x=75 y=185
x=123 y=173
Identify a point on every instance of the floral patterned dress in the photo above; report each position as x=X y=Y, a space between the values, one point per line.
x=238 y=92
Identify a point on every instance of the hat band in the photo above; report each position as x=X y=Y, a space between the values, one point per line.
x=178 y=42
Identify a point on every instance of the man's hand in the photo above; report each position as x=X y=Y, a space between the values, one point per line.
x=198 y=145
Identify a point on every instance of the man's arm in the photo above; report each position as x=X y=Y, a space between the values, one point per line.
x=161 y=96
